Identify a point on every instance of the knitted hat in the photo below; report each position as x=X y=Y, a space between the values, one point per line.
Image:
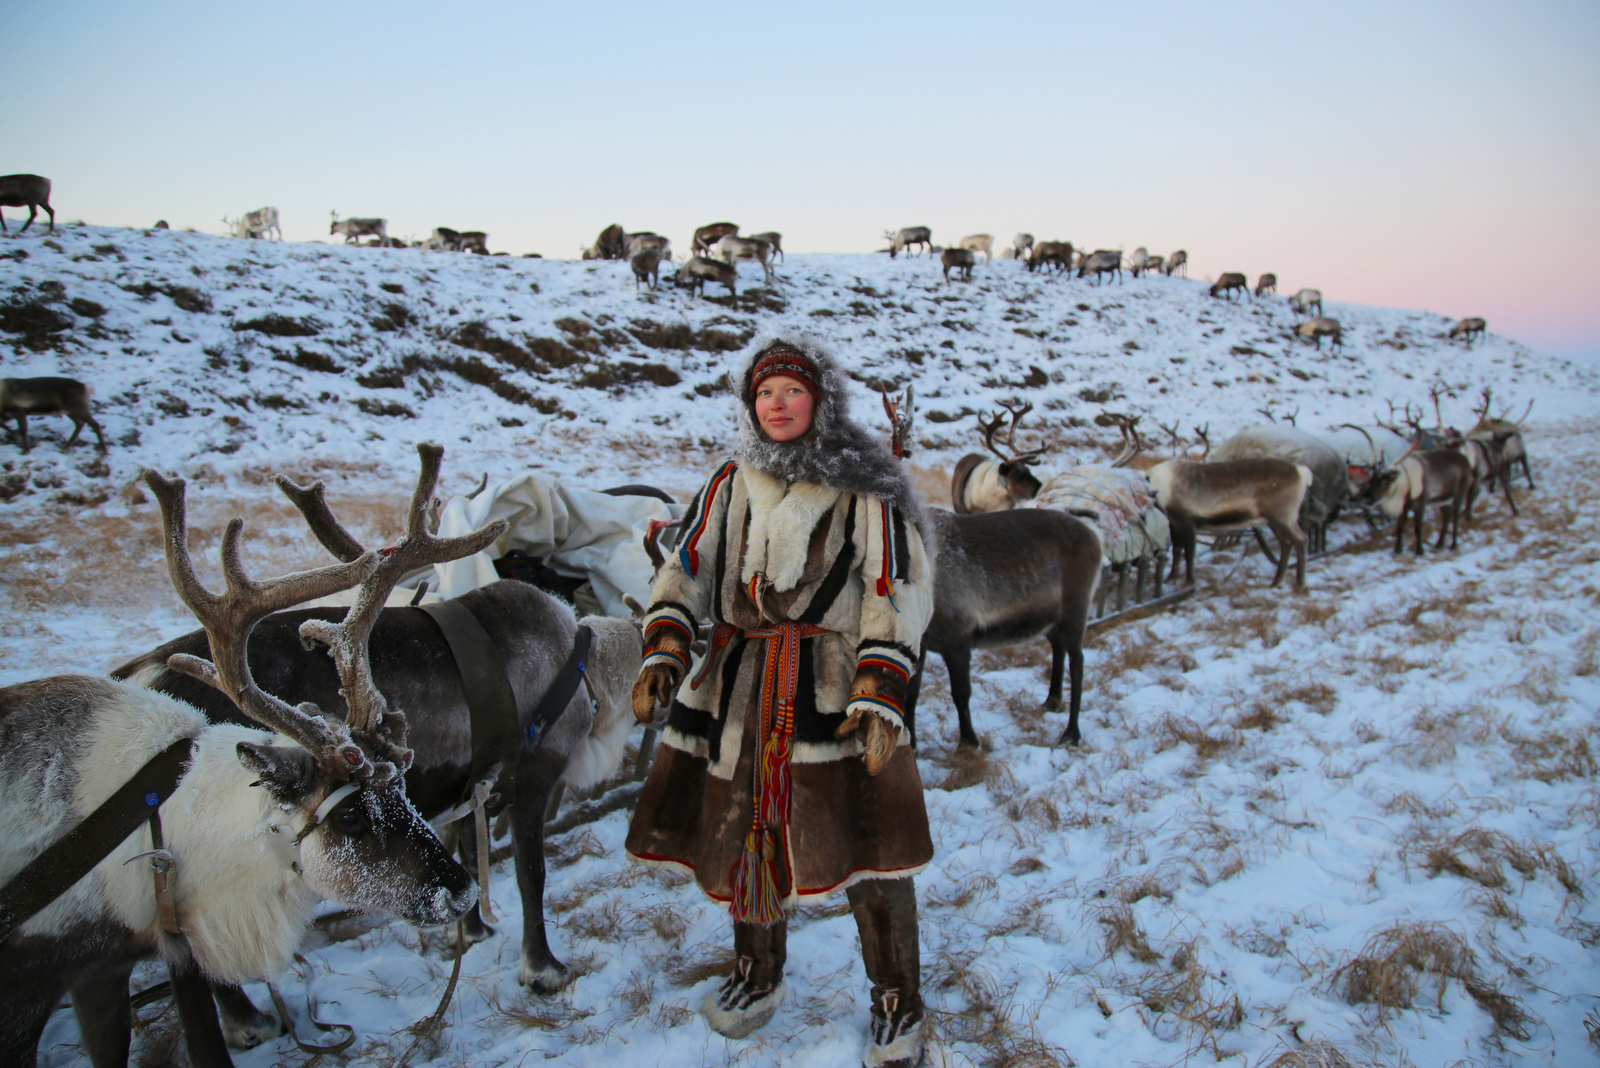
x=784 y=359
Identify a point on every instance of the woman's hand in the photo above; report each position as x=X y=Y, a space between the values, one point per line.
x=879 y=741
x=654 y=689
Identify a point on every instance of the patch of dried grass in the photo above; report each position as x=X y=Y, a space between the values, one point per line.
x=988 y=1019
x=1123 y=934
x=712 y=963
x=975 y=767
x=1171 y=731
x=1389 y=970
x=1415 y=805
x=1481 y=856
x=1320 y=1053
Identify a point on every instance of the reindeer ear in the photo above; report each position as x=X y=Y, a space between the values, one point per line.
x=285 y=770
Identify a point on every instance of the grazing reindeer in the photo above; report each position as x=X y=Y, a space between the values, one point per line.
x=355 y=229
x=238 y=870
x=21 y=397
x=908 y=236
x=773 y=238
x=1228 y=282
x=1267 y=283
x=1179 y=259
x=979 y=243
x=1306 y=299
x=257 y=224
x=979 y=484
x=646 y=264
x=1466 y=328
x=962 y=259
x=646 y=239
x=1009 y=577
x=1320 y=327
x=1155 y=265
x=1139 y=262
x=1022 y=246
x=414 y=659
x=612 y=244
x=1057 y=254
x=694 y=275
x=1228 y=495
x=1436 y=476
x=1103 y=261
x=26 y=191
x=707 y=236
x=733 y=248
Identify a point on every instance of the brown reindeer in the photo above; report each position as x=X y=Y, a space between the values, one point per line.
x=962 y=259
x=22 y=397
x=706 y=237
x=1434 y=476
x=1179 y=259
x=1057 y=254
x=26 y=191
x=646 y=264
x=1228 y=282
x=1507 y=432
x=1267 y=283
x=694 y=275
x=1468 y=329
x=1229 y=495
x=980 y=484
x=1322 y=327
x=1007 y=577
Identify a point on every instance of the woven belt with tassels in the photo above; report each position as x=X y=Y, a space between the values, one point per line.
x=755 y=874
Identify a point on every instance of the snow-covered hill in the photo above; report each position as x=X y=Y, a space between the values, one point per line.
x=1354 y=826
x=213 y=354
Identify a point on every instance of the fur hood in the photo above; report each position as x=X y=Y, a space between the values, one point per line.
x=836 y=451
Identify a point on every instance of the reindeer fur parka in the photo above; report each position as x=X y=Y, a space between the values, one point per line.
x=823 y=531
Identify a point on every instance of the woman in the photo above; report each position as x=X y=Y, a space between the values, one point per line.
x=785 y=772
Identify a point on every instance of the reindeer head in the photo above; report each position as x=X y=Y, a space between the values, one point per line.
x=1021 y=483
x=361 y=841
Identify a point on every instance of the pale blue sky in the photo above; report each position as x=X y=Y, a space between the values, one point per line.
x=1414 y=154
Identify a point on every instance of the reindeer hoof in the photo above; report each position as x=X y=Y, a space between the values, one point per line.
x=1069 y=737
x=550 y=979
x=250 y=1032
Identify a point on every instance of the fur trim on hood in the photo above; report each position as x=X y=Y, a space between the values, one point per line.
x=835 y=451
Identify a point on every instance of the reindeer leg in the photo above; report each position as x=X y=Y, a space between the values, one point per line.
x=1448 y=513
x=538 y=776
x=1122 y=587
x=30 y=993
x=105 y=1014
x=958 y=662
x=243 y=1025
x=1072 y=639
x=197 y=1009
x=22 y=428
x=913 y=691
x=1284 y=541
x=1526 y=473
x=1058 y=663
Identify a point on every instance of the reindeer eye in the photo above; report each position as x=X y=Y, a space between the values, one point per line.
x=350 y=820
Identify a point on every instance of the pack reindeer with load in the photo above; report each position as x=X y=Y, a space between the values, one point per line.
x=487 y=702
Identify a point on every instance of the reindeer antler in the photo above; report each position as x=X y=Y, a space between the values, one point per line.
x=1031 y=456
x=901 y=412
x=347 y=640
x=1203 y=432
x=229 y=617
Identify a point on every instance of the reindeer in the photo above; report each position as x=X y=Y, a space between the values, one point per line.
x=1007 y=577
x=1139 y=262
x=707 y=236
x=645 y=239
x=962 y=259
x=698 y=271
x=908 y=236
x=1102 y=261
x=1178 y=259
x=1421 y=478
x=1306 y=299
x=256 y=224
x=646 y=264
x=1267 y=283
x=773 y=238
x=1228 y=282
x=1507 y=433
x=1057 y=254
x=1330 y=485
x=517 y=637
x=26 y=191
x=1155 y=265
x=979 y=243
x=979 y=484
x=1228 y=495
x=733 y=248
x=1022 y=247
x=612 y=244
x=237 y=871
x=21 y=397
x=1466 y=328
x=1320 y=327
x=355 y=229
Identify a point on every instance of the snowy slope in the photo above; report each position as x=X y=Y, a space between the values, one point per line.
x=1275 y=792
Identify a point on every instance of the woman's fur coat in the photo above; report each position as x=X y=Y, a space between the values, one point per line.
x=825 y=531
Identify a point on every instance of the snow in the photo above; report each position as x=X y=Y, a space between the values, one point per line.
x=1268 y=780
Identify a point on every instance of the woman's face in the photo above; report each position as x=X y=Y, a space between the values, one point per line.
x=783 y=407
